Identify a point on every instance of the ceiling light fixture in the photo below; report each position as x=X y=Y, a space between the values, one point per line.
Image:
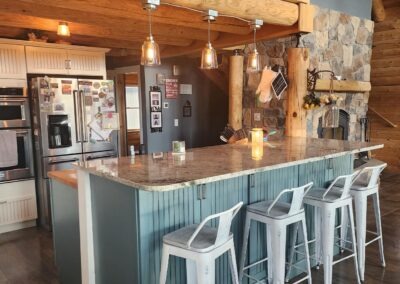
x=63 y=29
x=209 y=54
x=254 y=59
x=150 y=49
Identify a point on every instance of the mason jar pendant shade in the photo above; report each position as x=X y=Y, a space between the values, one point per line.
x=209 y=57
x=150 y=52
x=330 y=118
x=254 y=62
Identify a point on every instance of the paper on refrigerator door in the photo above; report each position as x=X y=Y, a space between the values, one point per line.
x=98 y=133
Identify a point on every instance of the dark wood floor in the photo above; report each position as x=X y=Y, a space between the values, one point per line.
x=26 y=256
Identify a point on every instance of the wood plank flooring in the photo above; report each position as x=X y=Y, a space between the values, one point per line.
x=26 y=256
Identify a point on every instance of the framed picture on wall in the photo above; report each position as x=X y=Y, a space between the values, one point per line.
x=155 y=100
x=156 y=120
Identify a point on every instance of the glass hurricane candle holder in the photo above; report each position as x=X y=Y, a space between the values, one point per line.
x=257 y=143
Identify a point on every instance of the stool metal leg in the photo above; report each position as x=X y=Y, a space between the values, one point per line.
x=191 y=273
x=328 y=231
x=164 y=264
x=379 y=226
x=344 y=228
x=232 y=264
x=292 y=250
x=361 y=229
x=305 y=237
x=317 y=232
x=353 y=240
x=278 y=249
x=205 y=271
x=244 y=246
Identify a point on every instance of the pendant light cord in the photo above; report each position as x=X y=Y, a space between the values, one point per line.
x=150 y=22
x=209 y=31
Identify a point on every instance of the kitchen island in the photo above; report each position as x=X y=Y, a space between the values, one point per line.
x=127 y=205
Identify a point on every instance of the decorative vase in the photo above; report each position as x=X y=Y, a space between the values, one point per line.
x=330 y=118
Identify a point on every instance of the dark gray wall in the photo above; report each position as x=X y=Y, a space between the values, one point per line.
x=359 y=8
x=209 y=109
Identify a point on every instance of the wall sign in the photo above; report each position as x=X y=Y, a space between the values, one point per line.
x=171 y=88
x=155 y=109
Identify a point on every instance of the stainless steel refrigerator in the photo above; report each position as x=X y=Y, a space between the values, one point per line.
x=64 y=114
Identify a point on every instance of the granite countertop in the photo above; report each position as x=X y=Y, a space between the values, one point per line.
x=208 y=164
x=67 y=177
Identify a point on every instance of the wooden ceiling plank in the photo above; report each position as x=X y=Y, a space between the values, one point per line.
x=130 y=9
x=22 y=21
x=125 y=25
x=270 y=11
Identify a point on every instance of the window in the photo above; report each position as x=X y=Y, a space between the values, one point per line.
x=132 y=108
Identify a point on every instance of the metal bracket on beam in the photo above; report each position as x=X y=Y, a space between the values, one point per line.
x=150 y=4
x=256 y=24
x=211 y=15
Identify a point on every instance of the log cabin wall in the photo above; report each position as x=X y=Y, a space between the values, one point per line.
x=341 y=43
x=385 y=81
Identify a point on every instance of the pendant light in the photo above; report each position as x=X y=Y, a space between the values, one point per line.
x=63 y=29
x=254 y=59
x=150 y=50
x=209 y=54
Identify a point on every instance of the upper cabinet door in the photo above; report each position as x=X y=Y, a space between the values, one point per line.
x=87 y=63
x=12 y=61
x=44 y=60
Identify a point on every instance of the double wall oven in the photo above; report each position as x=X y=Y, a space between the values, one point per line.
x=15 y=116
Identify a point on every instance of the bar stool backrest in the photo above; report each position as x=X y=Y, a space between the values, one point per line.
x=224 y=225
x=372 y=175
x=297 y=198
x=344 y=183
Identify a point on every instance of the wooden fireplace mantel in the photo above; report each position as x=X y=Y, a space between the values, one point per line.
x=323 y=85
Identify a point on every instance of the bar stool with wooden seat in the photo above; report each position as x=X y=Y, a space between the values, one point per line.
x=201 y=245
x=277 y=216
x=325 y=202
x=366 y=184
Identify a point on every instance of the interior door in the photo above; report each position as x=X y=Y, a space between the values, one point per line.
x=97 y=98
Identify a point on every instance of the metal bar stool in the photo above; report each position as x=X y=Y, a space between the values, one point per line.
x=200 y=245
x=366 y=184
x=277 y=216
x=325 y=202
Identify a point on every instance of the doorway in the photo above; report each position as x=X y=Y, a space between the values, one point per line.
x=132 y=112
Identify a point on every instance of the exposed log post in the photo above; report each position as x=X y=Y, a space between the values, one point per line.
x=378 y=11
x=235 y=91
x=298 y=62
x=270 y=11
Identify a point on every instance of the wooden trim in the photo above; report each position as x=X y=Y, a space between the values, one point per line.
x=270 y=11
x=382 y=117
x=121 y=105
x=378 y=11
x=323 y=85
x=306 y=18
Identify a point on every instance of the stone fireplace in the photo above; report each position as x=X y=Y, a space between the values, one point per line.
x=340 y=43
x=340 y=133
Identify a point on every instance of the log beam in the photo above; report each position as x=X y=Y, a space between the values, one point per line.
x=378 y=11
x=236 y=91
x=296 y=121
x=270 y=11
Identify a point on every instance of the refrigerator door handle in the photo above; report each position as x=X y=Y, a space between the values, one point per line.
x=78 y=117
x=83 y=120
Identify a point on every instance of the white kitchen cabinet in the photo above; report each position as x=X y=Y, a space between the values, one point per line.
x=43 y=60
x=87 y=63
x=17 y=205
x=12 y=62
